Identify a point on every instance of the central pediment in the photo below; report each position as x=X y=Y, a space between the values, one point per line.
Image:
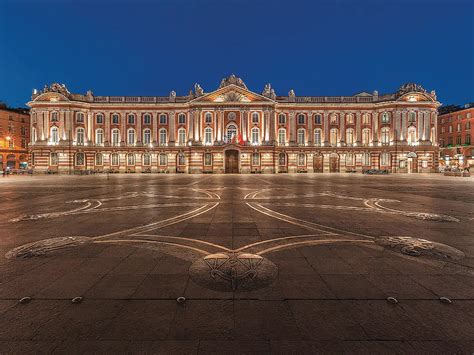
x=232 y=93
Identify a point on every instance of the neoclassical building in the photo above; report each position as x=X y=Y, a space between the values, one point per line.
x=234 y=130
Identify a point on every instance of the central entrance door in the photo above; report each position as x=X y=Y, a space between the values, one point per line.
x=232 y=162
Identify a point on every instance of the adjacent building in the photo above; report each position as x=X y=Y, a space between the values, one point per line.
x=14 y=138
x=456 y=127
x=232 y=129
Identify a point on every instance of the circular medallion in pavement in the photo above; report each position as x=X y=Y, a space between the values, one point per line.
x=233 y=272
x=420 y=247
x=45 y=246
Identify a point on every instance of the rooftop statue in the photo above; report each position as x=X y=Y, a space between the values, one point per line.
x=232 y=79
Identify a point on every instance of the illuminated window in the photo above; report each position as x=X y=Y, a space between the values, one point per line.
x=365 y=136
x=317 y=136
x=301 y=159
x=411 y=136
x=301 y=136
x=99 y=118
x=412 y=117
x=333 y=136
x=385 y=135
x=366 y=159
x=162 y=119
x=350 y=136
x=385 y=159
x=208 y=136
x=207 y=159
x=365 y=118
x=385 y=117
x=162 y=140
x=131 y=119
x=115 y=136
x=282 y=159
x=80 y=159
x=181 y=136
x=115 y=159
x=282 y=136
x=80 y=136
x=163 y=159
x=54 y=134
x=208 y=117
x=301 y=118
x=146 y=159
x=131 y=136
x=147 y=118
x=255 y=117
x=99 y=136
x=181 y=159
x=350 y=119
x=147 y=136
x=53 y=159
x=350 y=159
x=130 y=159
x=333 y=119
x=231 y=132
x=255 y=159
x=80 y=117
x=255 y=136
x=99 y=160
x=317 y=119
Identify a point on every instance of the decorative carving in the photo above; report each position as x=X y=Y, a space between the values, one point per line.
x=55 y=87
x=232 y=80
x=198 y=90
x=291 y=96
x=269 y=92
x=172 y=96
x=410 y=87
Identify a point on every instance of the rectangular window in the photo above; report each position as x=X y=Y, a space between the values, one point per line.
x=208 y=159
x=467 y=139
x=458 y=140
x=424 y=163
x=162 y=119
x=54 y=160
x=255 y=159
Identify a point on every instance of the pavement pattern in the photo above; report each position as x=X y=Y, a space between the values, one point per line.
x=307 y=263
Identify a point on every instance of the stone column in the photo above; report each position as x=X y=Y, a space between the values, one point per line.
x=197 y=125
x=404 y=126
x=292 y=128
x=89 y=127
x=358 y=128
x=192 y=113
x=123 y=126
x=172 y=126
x=397 y=126
x=272 y=126
x=267 y=126
x=342 y=126
x=427 y=134
x=245 y=114
x=326 y=128
x=419 y=126
x=107 y=127
x=310 y=128
x=62 y=119
x=221 y=125
x=139 y=127
x=154 y=117
x=375 y=128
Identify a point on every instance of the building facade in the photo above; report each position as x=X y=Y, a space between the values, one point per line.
x=455 y=131
x=14 y=138
x=234 y=130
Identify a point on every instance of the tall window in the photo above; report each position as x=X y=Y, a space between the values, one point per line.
x=146 y=159
x=80 y=159
x=365 y=118
x=317 y=119
x=99 y=118
x=411 y=135
x=131 y=136
x=349 y=159
x=333 y=136
x=181 y=159
x=54 y=135
x=208 y=136
x=385 y=159
x=162 y=118
x=181 y=136
x=317 y=136
x=412 y=117
x=350 y=136
x=255 y=159
x=301 y=159
x=231 y=132
x=255 y=117
x=115 y=159
x=385 y=117
x=365 y=136
x=385 y=135
x=131 y=119
x=366 y=159
x=130 y=159
x=80 y=117
x=208 y=117
x=54 y=117
x=162 y=140
x=181 y=118
x=115 y=118
x=99 y=136
x=255 y=136
x=53 y=159
x=281 y=136
x=99 y=160
x=163 y=159
x=115 y=136
x=147 y=118
x=207 y=159
x=147 y=136
x=301 y=118
x=282 y=159
x=80 y=136
x=301 y=136
x=281 y=118
x=350 y=119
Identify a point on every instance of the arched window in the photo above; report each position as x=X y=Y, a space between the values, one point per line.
x=99 y=159
x=366 y=159
x=333 y=119
x=163 y=159
x=115 y=136
x=208 y=117
x=365 y=118
x=131 y=119
x=350 y=119
x=301 y=138
x=317 y=119
x=130 y=159
x=131 y=136
x=411 y=135
x=54 y=117
x=385 y=135
x=385 y=117
x=146 y=118
x=99 y=118
x=365 y=136
x=99 y=136
x=350 y=136
x=181 y=159
x=162 y=140
x=282 y=159
x=208 y=136
x=115 y=118
x=255 y=136
x=181 y=136
x=281 y=136
x=80 y=159
x=147 y=136
x=412 y=117
x=255 y=117
x=317 y=136
x=115 y=159
x=80 y=117
x=301 y=159
x=146 y=159
x=301 y=118
x=54 y=135
x=281 y=118
x=231 y=132
x=181 y=118
x=333 y=136
x=349 y=159
x=163 y=118
x=385 y=159
x=53 y=159
x=80 y=136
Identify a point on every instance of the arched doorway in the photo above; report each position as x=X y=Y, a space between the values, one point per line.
x=232 y=161
x=282 y=163
x=318 y=163
x=334 y=163
x=412 y=162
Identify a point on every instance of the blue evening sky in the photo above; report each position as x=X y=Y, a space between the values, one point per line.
x=315 y=47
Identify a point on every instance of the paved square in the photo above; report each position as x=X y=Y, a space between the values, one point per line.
x=265 y=263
